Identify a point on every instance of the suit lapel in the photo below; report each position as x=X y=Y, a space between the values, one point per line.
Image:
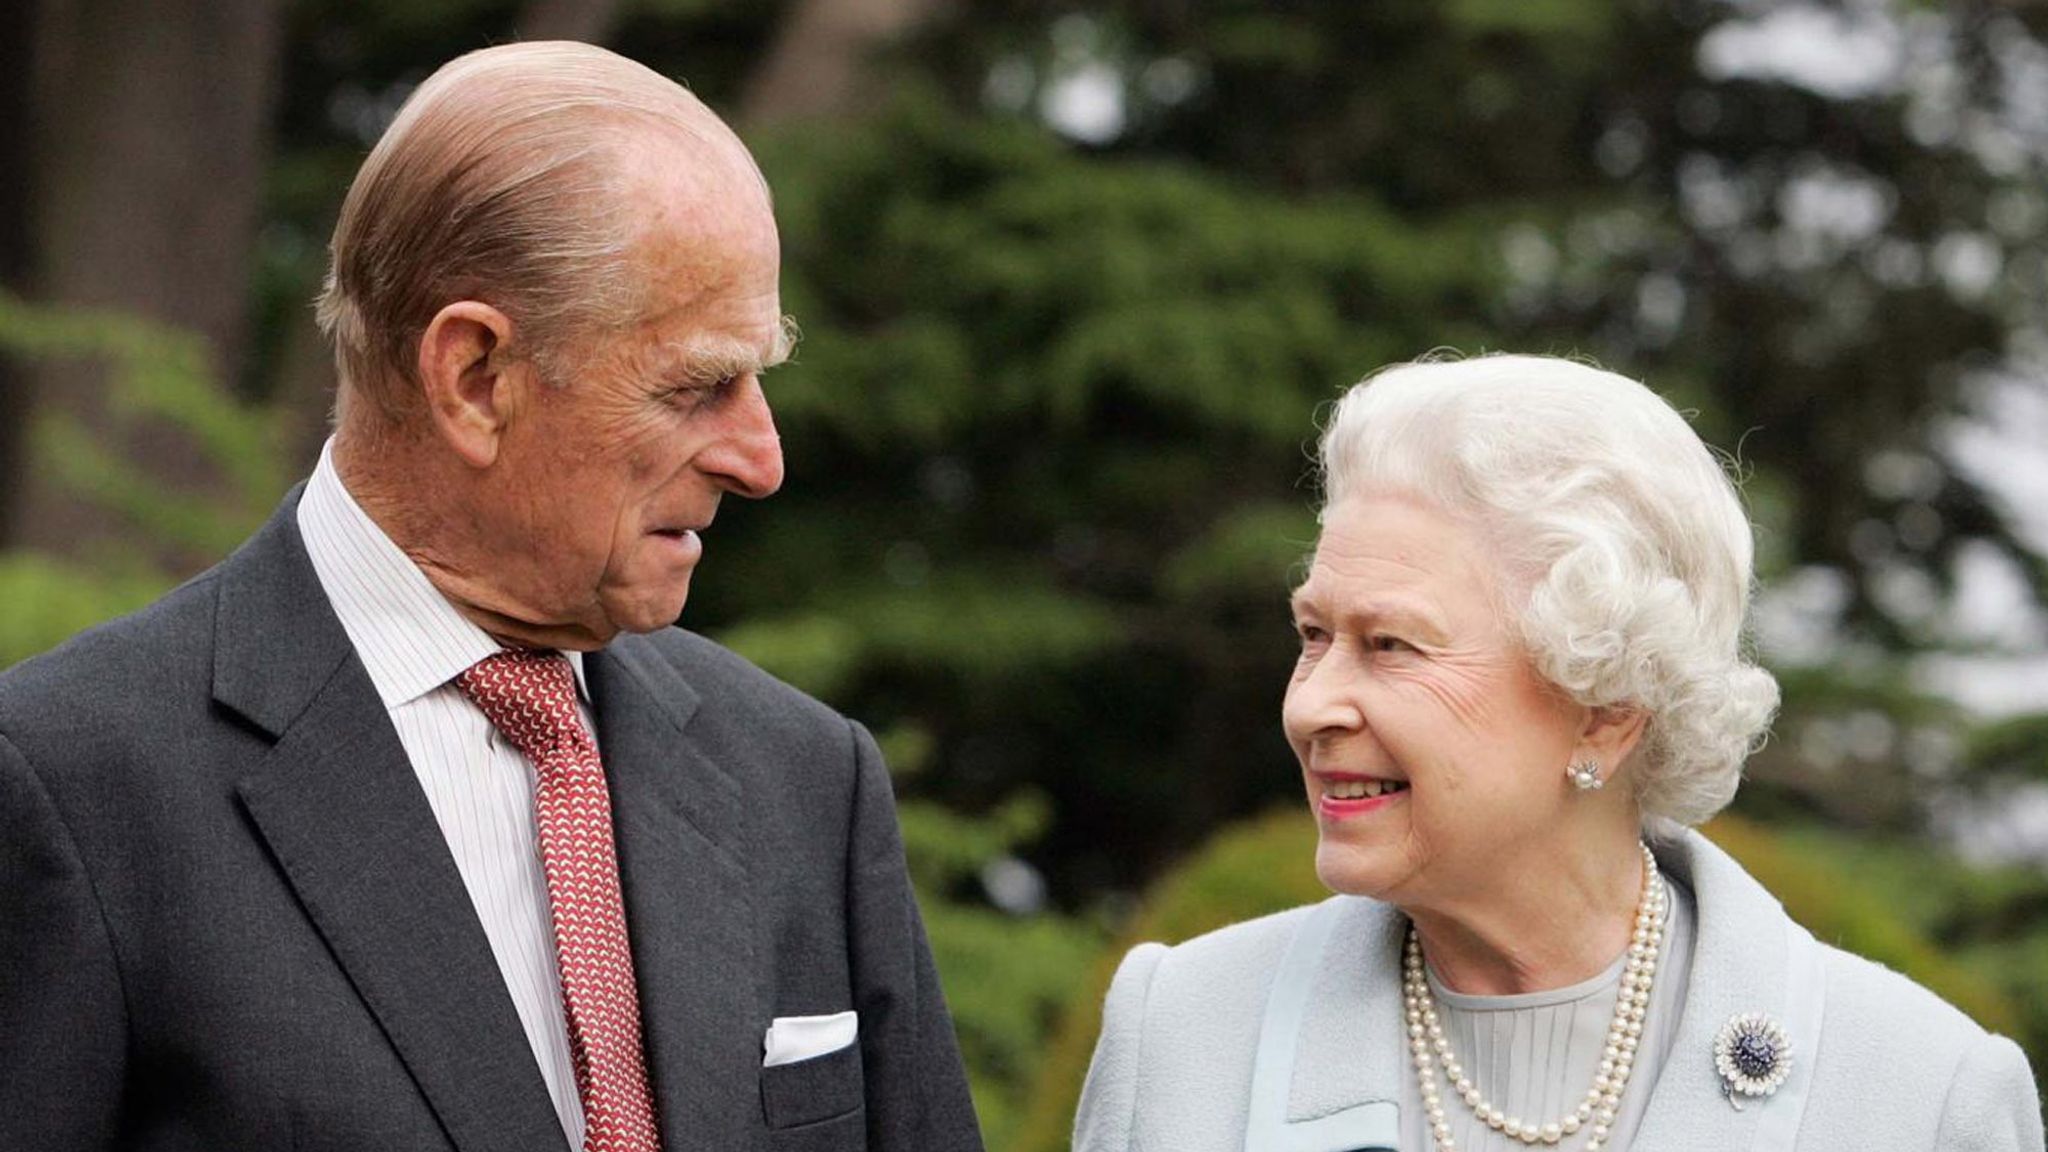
x=1739 y=964
x=338 y=804
x=681 y=823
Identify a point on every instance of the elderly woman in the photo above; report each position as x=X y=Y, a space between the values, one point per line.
x=1521 y=680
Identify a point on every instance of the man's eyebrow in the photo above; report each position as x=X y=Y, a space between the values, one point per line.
x=721 y=358
x=786 y=335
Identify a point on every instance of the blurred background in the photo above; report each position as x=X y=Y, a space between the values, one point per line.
x=1075 y=282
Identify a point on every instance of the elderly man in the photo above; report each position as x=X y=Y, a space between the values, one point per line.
x=414 y=825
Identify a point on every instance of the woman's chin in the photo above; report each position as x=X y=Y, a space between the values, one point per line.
x=1349 y=869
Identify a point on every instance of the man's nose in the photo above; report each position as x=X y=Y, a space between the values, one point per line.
x=747 y=459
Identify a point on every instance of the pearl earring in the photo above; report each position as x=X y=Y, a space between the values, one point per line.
x=1585 y=775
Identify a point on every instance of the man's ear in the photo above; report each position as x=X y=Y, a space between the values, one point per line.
x=1610 y=733
x=472 y=387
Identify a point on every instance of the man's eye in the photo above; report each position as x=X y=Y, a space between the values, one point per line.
x=702 y=393
x=1311 y=634
x=1381 y=642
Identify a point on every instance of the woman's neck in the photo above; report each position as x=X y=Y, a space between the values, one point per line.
x=1550 y=925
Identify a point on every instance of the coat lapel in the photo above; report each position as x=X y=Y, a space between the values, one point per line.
x=338 y=805
x=1351 y=1046
x=681 y=823
x=1739 y=964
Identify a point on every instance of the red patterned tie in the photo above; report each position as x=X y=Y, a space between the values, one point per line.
x=530 y=696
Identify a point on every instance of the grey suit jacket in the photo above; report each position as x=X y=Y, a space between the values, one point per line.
x=1892 y=1066
x=229 y=920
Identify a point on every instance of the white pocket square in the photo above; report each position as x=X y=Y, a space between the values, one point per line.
x=794 y=1038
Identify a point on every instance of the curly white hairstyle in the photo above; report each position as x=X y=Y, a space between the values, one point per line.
x=1624 y=547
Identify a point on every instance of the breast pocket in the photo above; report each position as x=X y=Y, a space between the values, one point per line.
x=814 y=1091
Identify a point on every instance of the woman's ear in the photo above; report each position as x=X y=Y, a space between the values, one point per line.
x=472 y=388
x=1609 y=735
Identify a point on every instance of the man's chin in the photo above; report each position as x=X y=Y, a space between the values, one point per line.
x=645 y=613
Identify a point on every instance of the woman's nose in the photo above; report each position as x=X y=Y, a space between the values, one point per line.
x=1323 y=699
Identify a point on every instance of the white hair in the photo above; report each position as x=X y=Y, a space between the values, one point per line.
x=1624 y=548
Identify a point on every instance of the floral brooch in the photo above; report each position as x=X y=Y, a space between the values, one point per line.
x=1753 y=1056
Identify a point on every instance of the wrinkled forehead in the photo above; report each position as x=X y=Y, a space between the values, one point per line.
x=1395 y=543
x=698 y=206
x=690 y=165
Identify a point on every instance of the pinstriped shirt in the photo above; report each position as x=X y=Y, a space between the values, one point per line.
x=414 y=643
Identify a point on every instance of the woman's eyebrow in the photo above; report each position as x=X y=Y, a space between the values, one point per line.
x=1397 y=611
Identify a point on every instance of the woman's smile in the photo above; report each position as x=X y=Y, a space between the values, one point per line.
x=1346 y=796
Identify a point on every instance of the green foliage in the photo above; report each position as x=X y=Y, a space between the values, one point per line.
x=1846 y=909
x=2016 y=748
x=50 y=600
x=1006 y=976
x=1591 y=26
x=155 y=375
x=1247 y=548
x=1006 y=980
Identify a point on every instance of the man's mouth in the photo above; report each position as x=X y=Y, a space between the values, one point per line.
x=687 y=544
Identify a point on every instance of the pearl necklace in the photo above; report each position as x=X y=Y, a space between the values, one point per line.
x=1426 y=1039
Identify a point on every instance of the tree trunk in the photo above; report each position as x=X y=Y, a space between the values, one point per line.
x=587 y=20
x=17 y=67
x=818 y=65
x=151 y=145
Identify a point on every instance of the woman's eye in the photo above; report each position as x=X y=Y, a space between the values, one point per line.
x=1382 y=642
x=1311 y=635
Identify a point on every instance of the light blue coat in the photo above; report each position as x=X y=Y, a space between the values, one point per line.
x=1879 y=1063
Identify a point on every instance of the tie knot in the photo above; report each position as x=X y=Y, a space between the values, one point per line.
x=528 y=694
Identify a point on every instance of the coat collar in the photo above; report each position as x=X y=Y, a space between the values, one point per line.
x=1740 y=963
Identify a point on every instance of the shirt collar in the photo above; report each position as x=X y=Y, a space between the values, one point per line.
x=410 y=638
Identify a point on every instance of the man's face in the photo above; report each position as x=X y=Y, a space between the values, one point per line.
x=603 y=488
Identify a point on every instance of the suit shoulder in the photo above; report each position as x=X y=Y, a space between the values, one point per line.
x=109 y=666
x=731 y=682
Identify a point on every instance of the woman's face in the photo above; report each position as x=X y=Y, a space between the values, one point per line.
x=1432 y=751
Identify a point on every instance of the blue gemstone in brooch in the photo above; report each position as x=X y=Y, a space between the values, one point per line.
x=1753 y=1056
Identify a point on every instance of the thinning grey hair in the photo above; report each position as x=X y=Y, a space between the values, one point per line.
x=503 y=180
